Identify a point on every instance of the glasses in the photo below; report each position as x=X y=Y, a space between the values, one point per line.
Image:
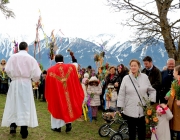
x=3 y=63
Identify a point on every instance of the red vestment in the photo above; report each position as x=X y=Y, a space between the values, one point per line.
x=63 y=92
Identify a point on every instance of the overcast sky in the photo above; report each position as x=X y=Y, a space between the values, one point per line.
x=75 y=18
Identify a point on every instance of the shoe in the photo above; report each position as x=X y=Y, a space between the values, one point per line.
x=13 y=129
x=68 y=127
x=56 y=129
x=95 y=118
x=24 y=132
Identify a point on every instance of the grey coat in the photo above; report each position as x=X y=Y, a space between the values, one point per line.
x=128 y=98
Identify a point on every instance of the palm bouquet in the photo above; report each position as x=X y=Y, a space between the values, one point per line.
x=151 y=118
x=176 y=88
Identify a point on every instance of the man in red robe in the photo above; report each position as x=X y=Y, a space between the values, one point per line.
x=64 y=94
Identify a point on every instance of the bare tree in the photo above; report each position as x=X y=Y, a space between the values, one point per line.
x=5 y=10
x=152 y=24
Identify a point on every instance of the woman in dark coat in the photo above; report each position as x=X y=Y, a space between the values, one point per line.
x=121 y=71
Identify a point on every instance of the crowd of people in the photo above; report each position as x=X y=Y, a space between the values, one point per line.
x=66 y=87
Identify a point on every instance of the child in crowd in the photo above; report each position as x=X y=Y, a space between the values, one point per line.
x=110 y=97
x=162 y=131
x=94 y=91
x=84 y=84
x=42 y=85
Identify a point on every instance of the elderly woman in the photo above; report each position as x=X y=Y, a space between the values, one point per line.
x=134 y=88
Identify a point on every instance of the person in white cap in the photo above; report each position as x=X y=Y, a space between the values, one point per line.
x=94 y=91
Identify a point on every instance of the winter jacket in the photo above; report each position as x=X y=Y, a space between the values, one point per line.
x=155 y=79
x=128 y=97
x=167 y=78
x=162 y=129
x=97 y=91
x=175 y=109
x=85 y=92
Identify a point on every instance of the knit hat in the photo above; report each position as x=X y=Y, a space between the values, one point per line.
x=93 y=79
x=86 y=75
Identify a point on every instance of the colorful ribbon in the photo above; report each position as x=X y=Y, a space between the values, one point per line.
x=153 y=129
x=105 y=99
x=85 y=110
x=89 y=108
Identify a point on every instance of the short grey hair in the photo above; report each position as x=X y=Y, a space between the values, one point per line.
x=170 y=60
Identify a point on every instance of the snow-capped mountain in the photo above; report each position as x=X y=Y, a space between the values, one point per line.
x=116 y=52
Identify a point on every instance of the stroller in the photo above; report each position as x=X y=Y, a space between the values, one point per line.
x=107 y=130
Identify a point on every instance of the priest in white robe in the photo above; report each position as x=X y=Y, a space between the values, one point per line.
x=20 y=107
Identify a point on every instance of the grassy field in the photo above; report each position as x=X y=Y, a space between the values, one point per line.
x=80 y=131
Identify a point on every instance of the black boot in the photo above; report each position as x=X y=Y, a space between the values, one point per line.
x=95 y=118
x=24 y=132
x=56 y=129
x=13 y=128
x=68 y=127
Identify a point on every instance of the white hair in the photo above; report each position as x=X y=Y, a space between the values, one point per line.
x=170 y=60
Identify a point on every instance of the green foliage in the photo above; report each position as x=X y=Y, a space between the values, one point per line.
x=176 y=86
x=5 y=1
x=5 y=10
x=41 y=66
x=150 y=113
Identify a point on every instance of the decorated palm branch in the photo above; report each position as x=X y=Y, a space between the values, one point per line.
x=99 y=56
x=3 y=75
x=15 y=48
x=150 y=113
x=151 y=118
x=37 y=39
x=175 y=89
x=39 y=27
x=103 y=72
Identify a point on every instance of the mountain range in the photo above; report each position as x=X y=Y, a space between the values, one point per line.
x=116 y=51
